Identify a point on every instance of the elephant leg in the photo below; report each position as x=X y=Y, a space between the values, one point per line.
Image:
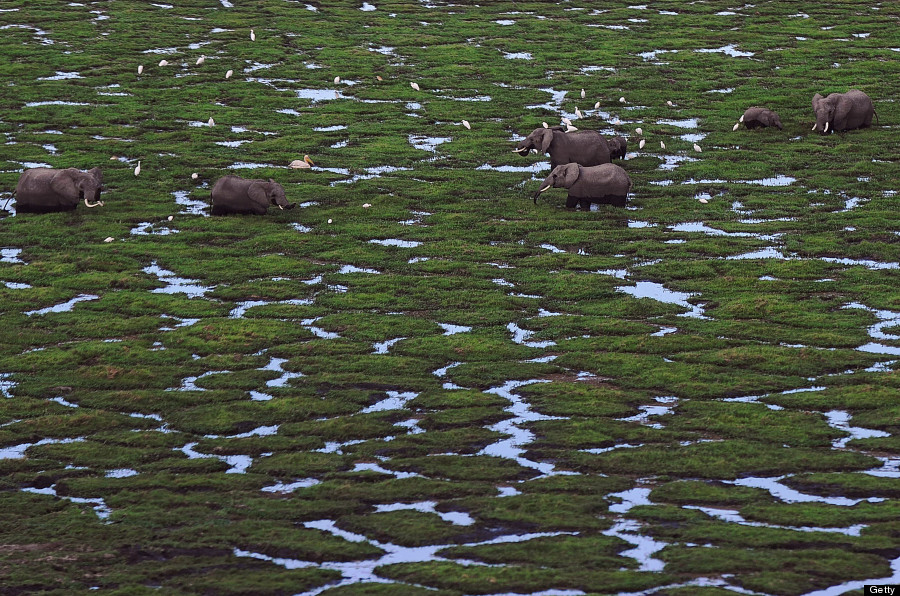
x=584 y=204
x=571 y=202
x=614 y=200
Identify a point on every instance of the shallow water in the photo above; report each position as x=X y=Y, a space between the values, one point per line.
x=656 y=291
x=729 y=50
x=63 y=307
x=191 y=206
x=628 y=530
x=176 y=285
x=733 y=516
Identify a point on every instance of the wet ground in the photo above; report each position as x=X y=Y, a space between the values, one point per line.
x=418 y=381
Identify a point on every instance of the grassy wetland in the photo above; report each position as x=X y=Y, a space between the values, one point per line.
x=418 y=381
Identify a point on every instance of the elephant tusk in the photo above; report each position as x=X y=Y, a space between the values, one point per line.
x=814 y=127
x=826 y=127
x=280 y=207
x=97 y=204
x=742 y=119
x=516 y=150
x=548 y=187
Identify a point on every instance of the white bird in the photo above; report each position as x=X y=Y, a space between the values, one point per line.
x=639 y=130
x=329 y=221
x=466 y=124
x=366 y=205
x=661 y=144
x=201 y=60
x=704 y=201
x=140 y=69
x=170 y=218
x=582 y=94
x=337 y=80
x=252 y=35
x=697 y=148
x=735 y=127
x=570 y=128
x=641 y=144
x=211 y=122
x=622 y=99
x=163 y=62
x=379 y=77
x=306 y=162
x=137 y=169
x=578 y=113
x=229 y=73
x=567 y=122
x=597 y=106
x=669 y=103
x=415 y=86
x=545 y=125
x=194 y=176
x=109 y=239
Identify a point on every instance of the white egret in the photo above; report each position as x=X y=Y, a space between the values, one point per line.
x=252 y=35
x=229 y=73
x=137 y=169
x=140 y=68
x=466 y=124
x=697 y=148
x=415 y=86
x=163 y=62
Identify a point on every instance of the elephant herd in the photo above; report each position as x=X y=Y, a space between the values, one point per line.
x=580 y=162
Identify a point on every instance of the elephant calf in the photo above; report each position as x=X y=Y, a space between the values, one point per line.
x=47 y=190
x=842 y=111
x=618 y=147
x=233 y=194
x=761 y=118
x=607 y=184
x=585 y=147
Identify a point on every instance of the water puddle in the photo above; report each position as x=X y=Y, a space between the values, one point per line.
x=786 y=494
x=670 y=162
x=318 y=331
x=686 y=123
x=521 y=337
x=887 y=319
x=531 y=169
x=841 y=420
x=18 y=451
x=734 y=517
x=628 y=530
x=700 y=227
x=729 y=50
x=64 y=307
x=191 y=206
x=426 y=143
x=384 y=346
x=513 y=447
x=655 y=291
x=652 y=55
x=16 y=286
x=242 y=307
x=450 y=329
x=175 y=284
x=238 y=463
x=147 y=228
x=369 y=173
x=284 y=489
x=98 y=504
x=518 y=56
x=457 y=518
x=868 y=264
x=397 y=243
x=442 y=372
x=647 y=411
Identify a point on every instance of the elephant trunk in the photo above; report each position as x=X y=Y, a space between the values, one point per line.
x=292 y=205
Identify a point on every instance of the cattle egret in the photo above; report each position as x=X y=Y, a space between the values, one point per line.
x=597 y=106
x=661 y=144
x=545 y=125
x=337 y=80
x=669 y=103
x=704 y=201
x=229 y=73
x=252 y=35
x=211 y=122
x=466 y=124
x=622 y=100
x=137 y=169
x=163 y=62
x=140 y=69
x=578 y=113
x=170 y=218
x=570 y=128
x=329 y=221
x=641 y=144
x=109 y=239
x=639 y=130
x=201 y=60
x=415 y=86
x=366 y=205
x=735 y=127
x=697 y=148
x=582 y=94
x=114 y=158
x=567 y=121
x=194 y=176
x=379 y=77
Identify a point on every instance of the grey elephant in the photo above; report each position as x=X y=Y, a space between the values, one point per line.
x=842 y=111
x=585 y=147
x=47 y=190
x=607 y=184
x=761 y=118
x=618 y=147
x=236 y=195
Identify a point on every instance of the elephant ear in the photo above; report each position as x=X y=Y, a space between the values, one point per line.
x=257 y=193
x=571 y=173
x=816 y=99
x=63 y=184
x=546 y=137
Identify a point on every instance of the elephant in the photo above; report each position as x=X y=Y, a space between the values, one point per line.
x=233 y=194
x=48 y=190
x=606 y=184
x=761 y=118
x=842 y=111
x=586 y=147
x=618 y=147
